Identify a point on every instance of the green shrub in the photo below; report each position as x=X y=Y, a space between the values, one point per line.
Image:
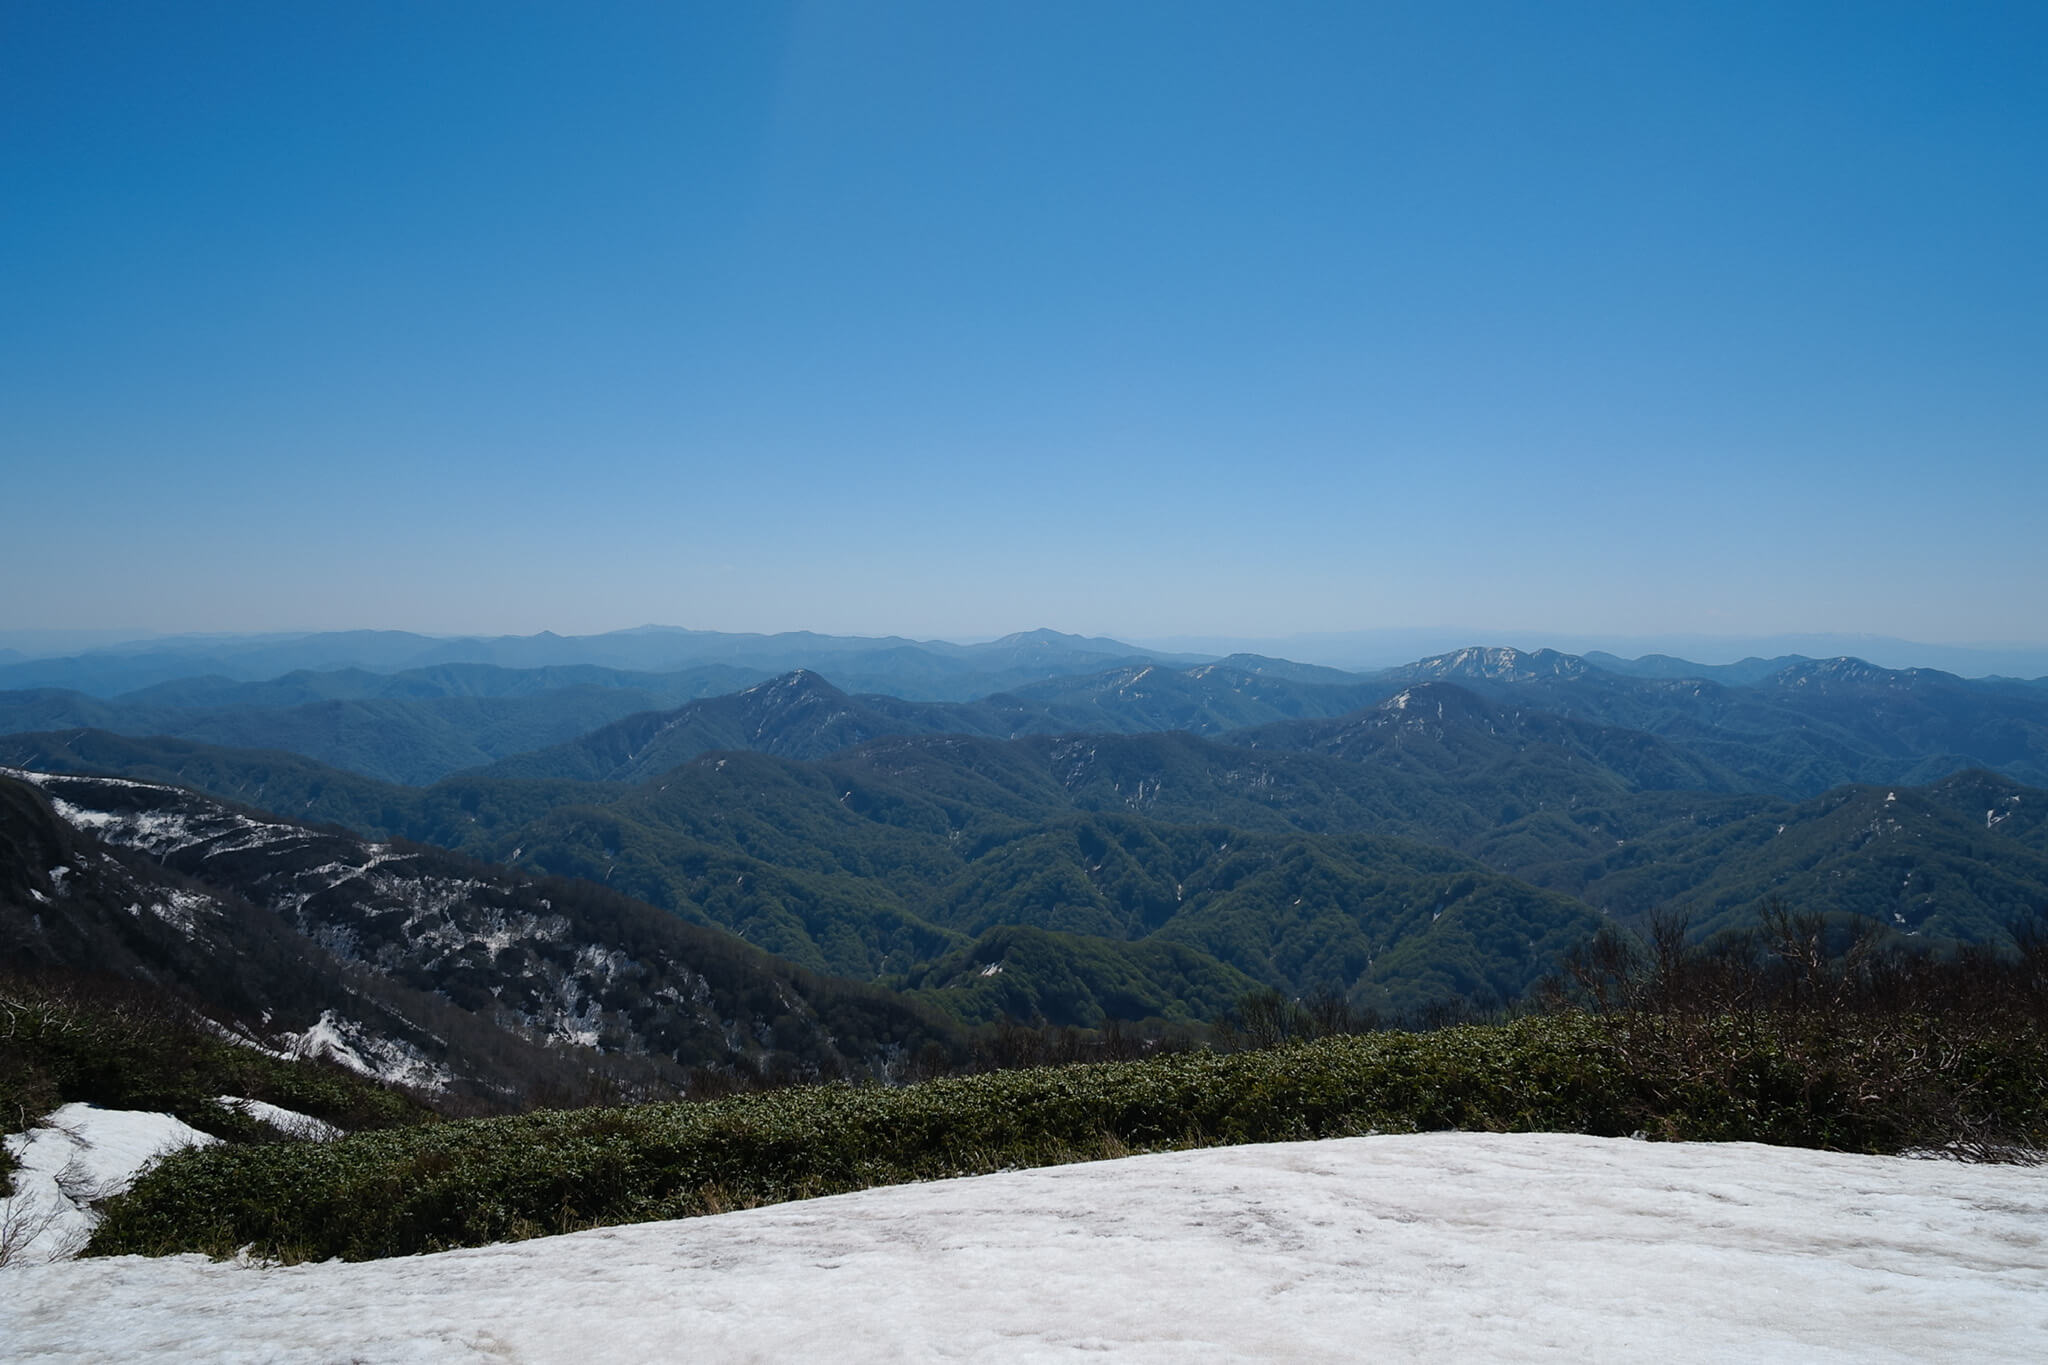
x=464 y=1183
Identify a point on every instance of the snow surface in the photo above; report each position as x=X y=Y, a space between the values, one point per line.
x=1432 y=1247
x=75 y=1157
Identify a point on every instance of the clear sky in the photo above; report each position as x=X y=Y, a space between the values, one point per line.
x=952 y=319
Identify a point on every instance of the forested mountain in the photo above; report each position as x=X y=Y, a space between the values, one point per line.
x=1806 y=727
x=1206 y=699
x=873 y=862
x=405 y=961
x=1811 y=725
x=410 y=727
x=914 y=859
x=1154 y=840
x=1171 y=776
x=452 y=815
x=1738 y=674
x=1907 y=857
x=799 y=716
x=441 y=680
x=1443 y=728
x=802 y=715
x=866 y=868
x=1794 y=731
x=409 y=741
x=2000 y=803
x=420 y=725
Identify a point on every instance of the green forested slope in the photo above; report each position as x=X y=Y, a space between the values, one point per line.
x=1814 y=724
x=1899 y=855
x=1438 y=844
x=404 y=739
x=802 y=715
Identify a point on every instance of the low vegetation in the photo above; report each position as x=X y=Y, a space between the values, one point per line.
x=1778 y=1041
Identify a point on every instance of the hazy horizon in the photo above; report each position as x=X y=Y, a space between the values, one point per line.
x=1160 y=320
x=1353 y=649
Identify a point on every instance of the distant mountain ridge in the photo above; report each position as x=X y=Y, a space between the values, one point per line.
x=801 y=715
x=404 y=731
x=798 y=715
x=1799 y=729
x=1461 y=729
x=1369 y=651
x=421 y=724
x=1737 y=674
x=1491 y=664
x=1796 y=729
x=934 y=670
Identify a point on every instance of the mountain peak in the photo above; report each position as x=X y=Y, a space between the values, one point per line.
x=1500 y=663
x=1053 y=642
x=1848 y=671
x=799 y=684
x=1043 y=637
x=1436 y=701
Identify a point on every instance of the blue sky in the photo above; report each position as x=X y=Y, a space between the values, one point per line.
x=955 y=319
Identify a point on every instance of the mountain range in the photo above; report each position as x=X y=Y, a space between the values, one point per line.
x=925 y=669
x=1153 y=838
x=1795 y=730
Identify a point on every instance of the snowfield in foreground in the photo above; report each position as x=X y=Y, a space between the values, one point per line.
x=72 y=1159
x=1432 y=1247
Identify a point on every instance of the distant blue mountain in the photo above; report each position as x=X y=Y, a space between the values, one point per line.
x=923 y=670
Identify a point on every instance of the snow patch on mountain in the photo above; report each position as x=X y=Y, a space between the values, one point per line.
x=181 y=910
x=389 y=1060
x=290 y=1122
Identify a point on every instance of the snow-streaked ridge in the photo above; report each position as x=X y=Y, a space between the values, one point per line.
x=395 y=912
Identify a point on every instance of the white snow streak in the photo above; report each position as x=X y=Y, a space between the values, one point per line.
x=287 y=1121
x=390 y=1060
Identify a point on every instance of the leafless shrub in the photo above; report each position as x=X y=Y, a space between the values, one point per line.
x=1857 y=1037
x=24 y=1219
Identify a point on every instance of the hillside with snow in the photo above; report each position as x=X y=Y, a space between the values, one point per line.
x=1430 y=1247
x=403 y=962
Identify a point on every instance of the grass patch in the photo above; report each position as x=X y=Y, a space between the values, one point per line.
x=1762 y=1077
